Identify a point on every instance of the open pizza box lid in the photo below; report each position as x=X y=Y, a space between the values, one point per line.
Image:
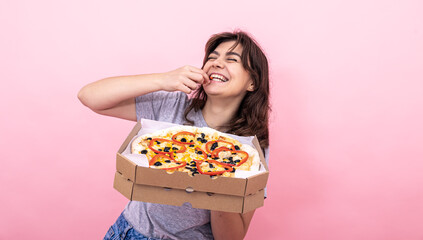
x=141 y=183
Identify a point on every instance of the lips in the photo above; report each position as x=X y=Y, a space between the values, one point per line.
x=218 y=77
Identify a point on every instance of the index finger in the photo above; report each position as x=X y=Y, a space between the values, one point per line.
x=200 y=71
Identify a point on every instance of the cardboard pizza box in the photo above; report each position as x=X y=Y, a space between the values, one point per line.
x=145 y=184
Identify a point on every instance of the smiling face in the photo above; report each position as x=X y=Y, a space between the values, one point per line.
x=229 y=79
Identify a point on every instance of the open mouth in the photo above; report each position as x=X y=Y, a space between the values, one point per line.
x=218 y=77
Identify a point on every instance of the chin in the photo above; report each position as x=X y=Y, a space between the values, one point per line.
x=210 y=90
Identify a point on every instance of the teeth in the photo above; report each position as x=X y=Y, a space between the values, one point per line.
x=218 y=77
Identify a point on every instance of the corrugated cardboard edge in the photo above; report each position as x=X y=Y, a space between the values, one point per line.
x=253 y=201
x=257 y=182
x=128 y=139
x=181 y=180
x=123 y=185
x=124 y=166
x=177 y=197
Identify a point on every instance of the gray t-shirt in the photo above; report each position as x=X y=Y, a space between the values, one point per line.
x=165 y=221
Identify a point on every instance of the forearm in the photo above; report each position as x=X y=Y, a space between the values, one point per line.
x=233 y=226
x=109 y=92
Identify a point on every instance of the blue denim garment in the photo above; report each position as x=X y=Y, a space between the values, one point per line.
x=122 y=230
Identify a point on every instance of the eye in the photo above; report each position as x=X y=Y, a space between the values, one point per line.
x=211 y=57
x=232 y=59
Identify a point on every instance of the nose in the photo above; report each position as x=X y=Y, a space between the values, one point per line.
x=218 y=63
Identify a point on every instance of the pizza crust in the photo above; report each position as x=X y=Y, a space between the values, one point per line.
x=253 y=156
x=139 y=143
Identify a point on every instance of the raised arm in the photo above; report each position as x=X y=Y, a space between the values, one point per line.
x=115 y=96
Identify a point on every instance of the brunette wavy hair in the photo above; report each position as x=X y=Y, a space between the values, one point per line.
x=253 y=113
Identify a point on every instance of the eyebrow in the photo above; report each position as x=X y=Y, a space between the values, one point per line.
x=227 y=54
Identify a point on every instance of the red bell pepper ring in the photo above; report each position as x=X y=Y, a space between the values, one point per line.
x=227 y=167
x=154 y=140
x=170 y=154
x=210 y=144
x=243 y=160
x=197 y=149
x=160 y=157
x=175 y=137
x=215 y=152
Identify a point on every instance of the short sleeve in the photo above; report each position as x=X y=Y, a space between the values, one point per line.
x=162 y=106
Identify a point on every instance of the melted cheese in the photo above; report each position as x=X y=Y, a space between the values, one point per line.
x=205 y=167
x=170 y=164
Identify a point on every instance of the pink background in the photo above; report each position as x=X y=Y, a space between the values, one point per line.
x=347 y=85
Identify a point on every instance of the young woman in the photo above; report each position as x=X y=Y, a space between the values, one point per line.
x=230 y=94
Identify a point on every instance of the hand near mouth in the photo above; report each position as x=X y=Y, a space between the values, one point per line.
x=185 y=79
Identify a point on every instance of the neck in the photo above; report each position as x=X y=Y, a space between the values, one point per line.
x=218 y=113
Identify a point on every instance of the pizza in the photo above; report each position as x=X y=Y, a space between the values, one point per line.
x=196 y=151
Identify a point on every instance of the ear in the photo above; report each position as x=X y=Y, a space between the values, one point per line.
x=250 y=87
